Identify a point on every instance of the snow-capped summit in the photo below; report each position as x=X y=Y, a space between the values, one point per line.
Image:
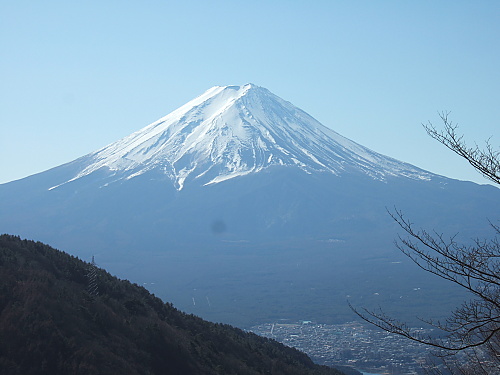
x=230 y=131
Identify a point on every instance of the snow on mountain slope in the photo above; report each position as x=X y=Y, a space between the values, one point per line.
x=231 y=131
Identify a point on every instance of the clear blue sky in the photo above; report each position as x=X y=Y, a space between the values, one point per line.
x=75 y=76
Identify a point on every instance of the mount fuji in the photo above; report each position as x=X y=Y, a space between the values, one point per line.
x=242 y=208
x=234 y=131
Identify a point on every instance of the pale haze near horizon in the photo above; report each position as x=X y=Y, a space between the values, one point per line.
x=76 y=77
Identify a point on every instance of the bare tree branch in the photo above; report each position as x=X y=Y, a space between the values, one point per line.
x=486 y=162
x=473 y=329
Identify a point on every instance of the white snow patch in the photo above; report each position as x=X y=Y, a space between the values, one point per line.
x=237 y=130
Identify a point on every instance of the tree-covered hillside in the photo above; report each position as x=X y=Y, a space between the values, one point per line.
x=51 y=324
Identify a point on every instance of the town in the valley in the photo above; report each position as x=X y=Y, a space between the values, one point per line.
x=351 y=344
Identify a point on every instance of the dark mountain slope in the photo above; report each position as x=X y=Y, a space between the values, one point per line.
x=50 y=324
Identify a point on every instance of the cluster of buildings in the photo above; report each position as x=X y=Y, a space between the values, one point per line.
x=351 y=344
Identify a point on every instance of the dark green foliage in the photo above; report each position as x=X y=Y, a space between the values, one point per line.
x=50 y=324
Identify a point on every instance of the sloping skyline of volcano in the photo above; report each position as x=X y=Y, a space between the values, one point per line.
x=231 y=131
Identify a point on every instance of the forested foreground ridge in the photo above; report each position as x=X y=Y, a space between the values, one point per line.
x=60 y=315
